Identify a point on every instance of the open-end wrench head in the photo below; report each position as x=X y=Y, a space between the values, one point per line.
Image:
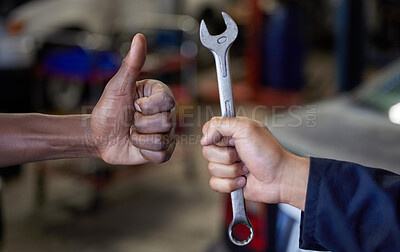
x=230 y=25
x=204 y=34
x=224 y=40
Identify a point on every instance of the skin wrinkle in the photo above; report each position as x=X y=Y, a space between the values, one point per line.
x=225 y=171
x=146 y=124
x=106 y=133
x=152 y=142
x=131 y=94
x=275 y=175
x=158 y=156
x=170 y=129
x=123 y=89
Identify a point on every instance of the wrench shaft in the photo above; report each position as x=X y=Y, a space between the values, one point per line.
x=238 y=207
x=224 y=85
x=228 y=110
x=219 y=46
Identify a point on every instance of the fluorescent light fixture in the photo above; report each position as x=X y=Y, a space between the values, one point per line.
x=394 y=113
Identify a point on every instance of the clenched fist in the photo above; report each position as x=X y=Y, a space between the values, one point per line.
x=239 y=146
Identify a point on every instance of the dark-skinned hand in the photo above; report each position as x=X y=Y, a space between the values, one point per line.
x=134 y=121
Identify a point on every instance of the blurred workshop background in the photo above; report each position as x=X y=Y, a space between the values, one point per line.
x=324 y=75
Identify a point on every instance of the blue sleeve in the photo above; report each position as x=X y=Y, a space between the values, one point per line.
x=350 y=208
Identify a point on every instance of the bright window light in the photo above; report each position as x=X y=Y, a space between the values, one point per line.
x=394 y=113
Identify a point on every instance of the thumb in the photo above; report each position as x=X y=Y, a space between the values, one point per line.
x=218 y=128
x=125 y=80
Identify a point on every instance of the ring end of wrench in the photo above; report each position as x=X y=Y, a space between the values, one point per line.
x=235 y=241
x=219 y=45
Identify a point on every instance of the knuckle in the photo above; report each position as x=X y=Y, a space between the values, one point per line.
x=205 y=127
x=213 y=185
x=205 y=152
x=169 y=101
x=213 y=120
x=211 y=168
x=256 y=124
x=166 y=124
x=247 y=125
x=133 y=67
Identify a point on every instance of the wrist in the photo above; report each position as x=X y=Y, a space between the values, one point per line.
x=71 y=138
x=88 y=140
x=294 y=180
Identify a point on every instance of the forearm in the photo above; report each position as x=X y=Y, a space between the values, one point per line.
x=33 y=137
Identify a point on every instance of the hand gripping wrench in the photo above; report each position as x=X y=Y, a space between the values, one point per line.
x=219 y=46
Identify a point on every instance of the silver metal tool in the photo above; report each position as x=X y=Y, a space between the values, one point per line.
x=219 y=46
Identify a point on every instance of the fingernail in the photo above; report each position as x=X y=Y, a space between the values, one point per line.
x=241 y=181
x=245 y=169
x=133 y=45
x=137 y=107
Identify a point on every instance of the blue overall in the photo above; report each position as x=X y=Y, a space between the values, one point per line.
x=350 y=207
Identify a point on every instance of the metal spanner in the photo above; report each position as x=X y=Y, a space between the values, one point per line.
x=219 y=46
